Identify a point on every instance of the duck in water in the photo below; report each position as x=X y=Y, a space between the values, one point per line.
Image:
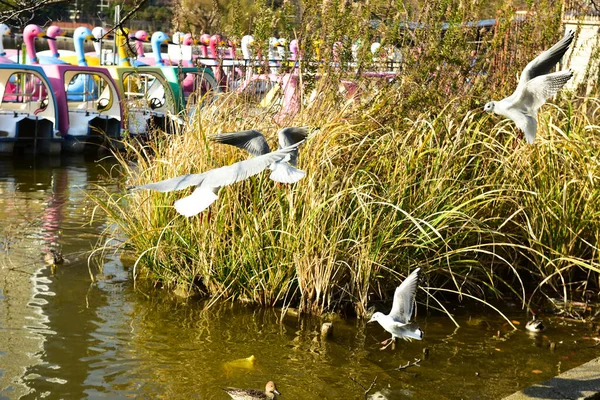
x=535 y=325
x=53 y=258
x=253 y=394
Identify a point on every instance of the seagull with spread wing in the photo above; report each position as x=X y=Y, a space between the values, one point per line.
x=535 y=86
x=397 y=321
x=208 y=183
x=255 y=143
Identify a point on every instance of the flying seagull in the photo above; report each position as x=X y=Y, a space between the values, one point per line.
x=535 y=86
x=255 y=143
x=208 y=183
x=397 y=321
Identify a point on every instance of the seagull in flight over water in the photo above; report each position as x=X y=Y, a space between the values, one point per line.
x=535 y=86
x=208 y=183
x=397 y=321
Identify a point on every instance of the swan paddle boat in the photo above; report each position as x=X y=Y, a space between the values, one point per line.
x=28 y=111
x=89 y=106
x=147 y=97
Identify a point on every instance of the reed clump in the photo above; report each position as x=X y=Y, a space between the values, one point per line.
x=407 y=174
x=457 y=195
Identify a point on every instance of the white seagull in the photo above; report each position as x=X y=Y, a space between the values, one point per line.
x=535 y=86
x=208 y=183
x=397 y=321
x=255 y=143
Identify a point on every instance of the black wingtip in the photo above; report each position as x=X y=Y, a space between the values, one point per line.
x=570 y=36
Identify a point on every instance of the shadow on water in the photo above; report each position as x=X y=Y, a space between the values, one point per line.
x=62 y=336
x=582 y=389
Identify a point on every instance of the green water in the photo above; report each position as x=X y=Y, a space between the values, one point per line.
x=64 y=337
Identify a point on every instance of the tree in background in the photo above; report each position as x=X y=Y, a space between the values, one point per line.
x=198 y=16
x=236 y=18
x=19 y=13
x=148 y=17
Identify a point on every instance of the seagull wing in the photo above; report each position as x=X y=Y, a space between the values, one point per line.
x=545 y=62
x=244 y=169
x=407 y=332
x=404 y=298
x=539 y=89
x=290 y=136
x=177 y=183
x=535 y=93
x=252 y=141
x=198 y=201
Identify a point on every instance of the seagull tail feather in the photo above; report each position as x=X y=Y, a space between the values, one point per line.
x=285 y=173
x=530 y=129
x=411 y=331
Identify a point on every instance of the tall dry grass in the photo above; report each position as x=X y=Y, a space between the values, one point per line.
x=456 y=194
x=410 y=174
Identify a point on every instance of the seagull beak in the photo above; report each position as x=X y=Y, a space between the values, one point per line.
x=277 y=392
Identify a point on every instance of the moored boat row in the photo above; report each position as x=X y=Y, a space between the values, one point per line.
x=48 y=106
x=69 y=101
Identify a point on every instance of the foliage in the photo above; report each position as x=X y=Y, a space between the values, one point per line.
x=404 y=174
x=199 y=17
x=23 y=12
x=148 y=17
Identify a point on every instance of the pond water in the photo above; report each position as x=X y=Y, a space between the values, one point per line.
x=64 y=337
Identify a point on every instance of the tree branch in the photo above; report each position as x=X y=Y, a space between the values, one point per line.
x=135 y=8
x=23 y=7
x=409 y=364
x=367 y=390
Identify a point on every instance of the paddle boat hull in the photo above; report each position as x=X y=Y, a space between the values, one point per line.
x=89 y=107
x=148 y=100
x=191 y=86
x=28 y=111
x=279 y=92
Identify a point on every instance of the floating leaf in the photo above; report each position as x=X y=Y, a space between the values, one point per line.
x=537 y=371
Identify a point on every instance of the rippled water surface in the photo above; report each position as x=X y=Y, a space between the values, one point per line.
x=62 y=336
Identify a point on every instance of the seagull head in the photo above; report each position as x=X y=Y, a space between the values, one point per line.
x=375 y=317
x=489 y=107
